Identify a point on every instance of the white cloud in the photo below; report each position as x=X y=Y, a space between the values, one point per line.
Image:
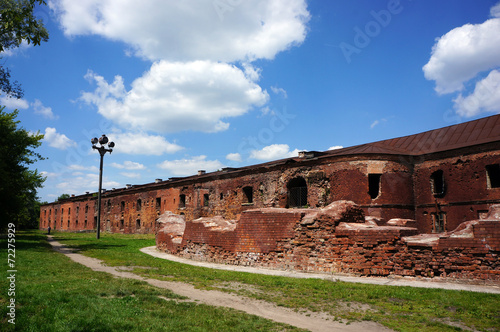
x=75 y=167
x=87 y=182
x=131 y=175
x=56 y=140
x=175 y=96
x=234 y=157
x=335 y=147
x=42 y=110
x=181 y=30
x=279 y=91
x=49 y=175
x=485 y=98
x=374 y=123
x=273 y=152
x=130 y=165
x=142 y=143
x=14 y=103
x=495 y=10
x=14 y=51
x=185 y=167
x=462 y=53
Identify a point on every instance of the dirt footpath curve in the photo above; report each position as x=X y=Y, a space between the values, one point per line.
x=263 y=309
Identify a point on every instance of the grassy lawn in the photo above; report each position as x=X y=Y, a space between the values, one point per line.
x=67 y=295
x=55 y=294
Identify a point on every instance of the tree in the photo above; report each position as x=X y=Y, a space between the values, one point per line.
x=18 y=184
x=63 y=196
x=18 y=24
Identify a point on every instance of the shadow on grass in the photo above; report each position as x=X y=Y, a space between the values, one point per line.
x=31 y=240
x=83 y=247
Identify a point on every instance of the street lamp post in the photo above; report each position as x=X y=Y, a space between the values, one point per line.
x=103 y=140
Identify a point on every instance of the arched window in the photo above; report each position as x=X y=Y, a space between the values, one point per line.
x=297 y=192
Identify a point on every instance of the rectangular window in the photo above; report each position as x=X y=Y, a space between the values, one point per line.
x=493 y=176
x=138 y=223
x=437 y=183
x=139 y=205
x=247 y=195
x=438 y=222
x=122 y=206
x=122 y=223
x=182 y=201
x=374 y=185
x=206 y=198
x=158 y=203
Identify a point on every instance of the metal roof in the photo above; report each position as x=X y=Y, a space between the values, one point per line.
x=485 y=130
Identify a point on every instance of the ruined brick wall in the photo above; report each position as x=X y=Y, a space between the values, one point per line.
x=466 y=194
x=322 y=241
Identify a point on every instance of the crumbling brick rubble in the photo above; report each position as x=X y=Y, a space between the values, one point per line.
x=340 y=239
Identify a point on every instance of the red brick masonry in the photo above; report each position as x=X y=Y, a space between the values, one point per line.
x=337 y=238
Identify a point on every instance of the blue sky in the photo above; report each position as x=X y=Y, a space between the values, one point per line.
x=182 y=86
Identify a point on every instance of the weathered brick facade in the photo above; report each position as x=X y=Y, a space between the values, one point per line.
x=439 y=179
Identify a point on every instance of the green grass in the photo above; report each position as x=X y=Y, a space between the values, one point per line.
x=399 y=308
x=55 y=294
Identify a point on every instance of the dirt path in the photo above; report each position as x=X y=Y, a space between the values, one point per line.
x=217 y=298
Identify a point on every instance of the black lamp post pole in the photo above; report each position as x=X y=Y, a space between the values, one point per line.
x=102 y=151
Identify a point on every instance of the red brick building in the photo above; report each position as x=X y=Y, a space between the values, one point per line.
x=439 y=178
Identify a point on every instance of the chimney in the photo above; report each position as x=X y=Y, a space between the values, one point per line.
x=158 y=180
x=201 y=172
x=128 y=186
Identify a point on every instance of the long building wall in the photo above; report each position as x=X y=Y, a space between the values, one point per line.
x=384 y=186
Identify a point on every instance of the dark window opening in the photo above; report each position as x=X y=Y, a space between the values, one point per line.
x=122 y=223
x=221 y=196
x=248 y=192
x=158 y=203
x=139 y=205
x=68 y=223
x=374 y=185
x=438 y=222
x=493 y=176
x=138 y=223
x=297 y=192
x=122 y=206
x=109 y=204
x=86 y=208
x=182 y=201
x=95 y=223
x=437 y=183
x=205 y=199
